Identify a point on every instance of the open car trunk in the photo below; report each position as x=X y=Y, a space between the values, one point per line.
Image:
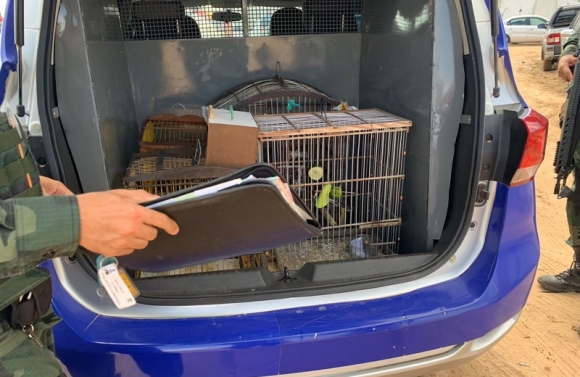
x=120 y=67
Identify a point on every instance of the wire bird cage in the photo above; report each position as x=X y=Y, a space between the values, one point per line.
x=348 y=167
x=276 y=96
x=162 y=172
x=169 y=131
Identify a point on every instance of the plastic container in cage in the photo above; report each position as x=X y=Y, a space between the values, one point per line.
x=363 y=247
x=169 y=131
x=349 y=168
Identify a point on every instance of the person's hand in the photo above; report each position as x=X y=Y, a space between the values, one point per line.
x=114 y=224
x=51 y=187
x=564 y=64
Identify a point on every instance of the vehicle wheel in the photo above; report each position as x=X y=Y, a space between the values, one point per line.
x=548 y=65
x=509 y=39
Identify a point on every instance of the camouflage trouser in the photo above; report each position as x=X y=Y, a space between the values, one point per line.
x=573 y=201
x=573 y=204
x=20 y=356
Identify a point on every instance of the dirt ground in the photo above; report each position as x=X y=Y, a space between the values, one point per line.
x=544 y=342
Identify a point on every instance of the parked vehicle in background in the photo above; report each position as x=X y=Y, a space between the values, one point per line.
x=525 y=29
x=573 y=28
x=551 y=41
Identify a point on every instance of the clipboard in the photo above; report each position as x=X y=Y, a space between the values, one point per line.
x=249 y=217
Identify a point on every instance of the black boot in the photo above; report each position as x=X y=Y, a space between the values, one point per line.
x=565 y=281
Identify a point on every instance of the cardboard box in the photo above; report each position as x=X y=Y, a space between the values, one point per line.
x=231 y=143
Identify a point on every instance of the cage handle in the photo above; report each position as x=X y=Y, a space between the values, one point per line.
x=172 y=107
x=160 y=160
x=278 y=76
x=323 y=105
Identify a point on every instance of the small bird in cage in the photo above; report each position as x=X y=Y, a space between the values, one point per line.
x=331 y=205
x=297 y=152
x=295 y=159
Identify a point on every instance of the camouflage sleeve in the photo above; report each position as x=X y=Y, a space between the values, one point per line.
x=35 y=229
x=571 y=45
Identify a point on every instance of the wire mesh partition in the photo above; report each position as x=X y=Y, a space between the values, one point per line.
x=159 y=20
x=219 y=22
x=332 y=16
x=171 y=19
x=169 y=131
x=348 y=167
x=276 y=96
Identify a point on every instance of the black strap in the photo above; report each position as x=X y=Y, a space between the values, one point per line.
x=31 y=306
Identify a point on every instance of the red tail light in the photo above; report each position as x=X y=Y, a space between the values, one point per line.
x=534 y=151
x=553 y=39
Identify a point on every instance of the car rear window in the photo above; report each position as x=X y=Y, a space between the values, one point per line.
x=575 y=23
x=564 y=17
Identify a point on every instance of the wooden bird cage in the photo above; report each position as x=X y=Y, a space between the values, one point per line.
x=165 y=171
x=169 y=131
x=348 y=167
x=162 y=172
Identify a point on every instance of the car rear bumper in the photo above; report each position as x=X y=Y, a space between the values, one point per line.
x=453 y=321
x=422 y=363
x=549 y=53
x=552 y=52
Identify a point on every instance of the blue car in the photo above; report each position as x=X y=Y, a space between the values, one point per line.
x=424 y=198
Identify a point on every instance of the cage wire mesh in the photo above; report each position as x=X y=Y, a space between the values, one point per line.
x=348 y=167
x=170 y=131
x=161 y=20
x=276 y=96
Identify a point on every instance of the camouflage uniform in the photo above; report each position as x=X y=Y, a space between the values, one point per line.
x=573 y=203
x=569 y=279
x=32 y=229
